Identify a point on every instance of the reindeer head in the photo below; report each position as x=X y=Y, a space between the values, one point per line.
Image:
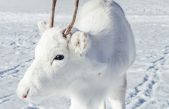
x=55 y=55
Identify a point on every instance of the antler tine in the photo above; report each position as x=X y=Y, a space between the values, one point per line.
x=69 y=28
x=52 y=16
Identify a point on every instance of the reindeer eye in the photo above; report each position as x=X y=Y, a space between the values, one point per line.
x=59 y=57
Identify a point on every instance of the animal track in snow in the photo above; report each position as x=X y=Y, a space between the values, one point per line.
x=143 y=91
x=5 y=98
x=9 y=71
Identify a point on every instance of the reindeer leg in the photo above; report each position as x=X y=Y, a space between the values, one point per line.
x=77 y=104
x=102 y=105
x=117 y=99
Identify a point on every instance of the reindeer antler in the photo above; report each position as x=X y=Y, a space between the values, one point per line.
x=52 y=16
x=70 y=26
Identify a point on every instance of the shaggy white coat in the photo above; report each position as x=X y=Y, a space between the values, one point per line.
x=97 y=57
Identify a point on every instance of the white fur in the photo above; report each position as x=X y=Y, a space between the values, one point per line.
x=95 y=64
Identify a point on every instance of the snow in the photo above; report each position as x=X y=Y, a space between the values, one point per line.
x=33 y=6
x=139 y=7
x=145 y=7
x=147 y=79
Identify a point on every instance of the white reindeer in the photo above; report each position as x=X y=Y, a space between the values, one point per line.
x=87 y=66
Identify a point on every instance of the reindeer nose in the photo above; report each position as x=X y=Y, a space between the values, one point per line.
x=25 y=95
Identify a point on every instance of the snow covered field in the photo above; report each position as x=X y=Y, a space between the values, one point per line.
x=147 y=79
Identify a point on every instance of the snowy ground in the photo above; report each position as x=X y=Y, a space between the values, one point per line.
x=147 y=79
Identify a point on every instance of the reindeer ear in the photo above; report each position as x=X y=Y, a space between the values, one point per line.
x=80 y=42
x=42 y=25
